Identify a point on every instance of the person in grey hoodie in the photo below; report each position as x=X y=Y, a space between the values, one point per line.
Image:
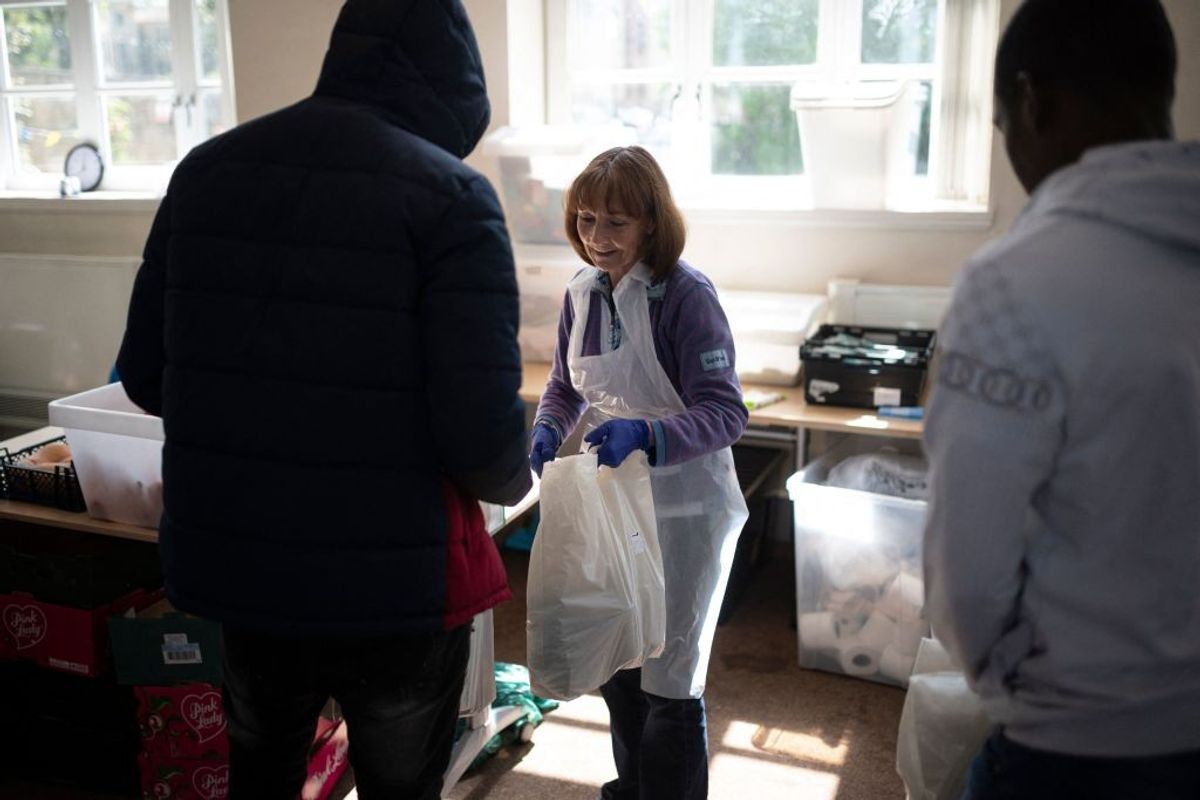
x=1062 y=548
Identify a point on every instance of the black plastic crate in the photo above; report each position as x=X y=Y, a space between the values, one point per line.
x=866 y=367
x=58 y=487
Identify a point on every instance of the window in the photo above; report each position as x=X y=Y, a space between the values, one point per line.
x=145 y=80
x=787 y=103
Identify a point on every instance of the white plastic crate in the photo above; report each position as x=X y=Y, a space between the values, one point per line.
x=768 y=329
x=117 y=450
x=859 y=587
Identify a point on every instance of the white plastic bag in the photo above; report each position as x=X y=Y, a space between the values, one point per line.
x=595 y=595
x=942 y=727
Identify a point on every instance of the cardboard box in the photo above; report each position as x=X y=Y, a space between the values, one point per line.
x=207 y=778
x=60 y=637
x=159 y=646
x=183 y=779
x=182 y=722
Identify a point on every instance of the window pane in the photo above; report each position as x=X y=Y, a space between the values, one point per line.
x=46 y=130
x=645 y=107
x=764 y=32
x=899 y=31
x=141 y=128
x=618 y=34
x=206 y=40
x=39 y=50
x=754 y=131
x=214 y=118
x=135 y=39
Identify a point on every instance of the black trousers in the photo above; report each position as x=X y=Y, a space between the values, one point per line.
x=399 y=696
x=1005 y=770
x=660 y=745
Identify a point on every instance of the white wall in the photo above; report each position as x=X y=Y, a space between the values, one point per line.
x=277 y=49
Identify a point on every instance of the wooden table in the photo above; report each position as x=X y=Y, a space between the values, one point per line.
x=786 y=421
x=82 y=522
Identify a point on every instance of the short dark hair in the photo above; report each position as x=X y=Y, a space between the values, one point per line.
x=1102 y=50
x=629 y=178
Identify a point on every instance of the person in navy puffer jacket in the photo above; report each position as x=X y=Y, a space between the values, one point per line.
x=326 y=320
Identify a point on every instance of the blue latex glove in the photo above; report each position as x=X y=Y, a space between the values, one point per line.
x=618 y=438
x=544 y=447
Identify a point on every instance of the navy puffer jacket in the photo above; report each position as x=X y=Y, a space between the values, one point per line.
x=326 y=321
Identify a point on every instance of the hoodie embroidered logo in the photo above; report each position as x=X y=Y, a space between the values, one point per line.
x=714 y=359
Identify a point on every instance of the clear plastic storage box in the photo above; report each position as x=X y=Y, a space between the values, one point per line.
x=859 y=587
x=542 y=280
x=117 y=450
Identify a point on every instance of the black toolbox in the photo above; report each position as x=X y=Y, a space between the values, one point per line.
x=865 y=367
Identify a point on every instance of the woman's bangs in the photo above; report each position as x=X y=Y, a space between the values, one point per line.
x=608 y=189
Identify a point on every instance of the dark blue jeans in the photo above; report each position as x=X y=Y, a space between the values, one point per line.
x=1005 y=770
x=660 y=745
x=399 y=696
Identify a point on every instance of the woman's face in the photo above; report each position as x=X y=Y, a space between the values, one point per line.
x=613 y=239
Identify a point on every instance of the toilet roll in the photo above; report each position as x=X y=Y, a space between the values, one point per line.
x=908 y=635
x=903 y=598
x=851 y=564
x=850 y=610
x=818 y=631
x=856 y=658
x=878 y=632
x=895 y=664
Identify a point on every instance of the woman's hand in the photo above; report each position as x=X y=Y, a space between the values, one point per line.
x=543 y=447
x=618 y=438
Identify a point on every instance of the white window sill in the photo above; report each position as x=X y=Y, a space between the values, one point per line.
x=970 y=218
x=101 y=202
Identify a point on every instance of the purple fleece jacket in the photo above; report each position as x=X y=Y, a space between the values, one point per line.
x=695 y=348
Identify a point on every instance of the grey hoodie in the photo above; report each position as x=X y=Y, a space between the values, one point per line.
x=1063 y=543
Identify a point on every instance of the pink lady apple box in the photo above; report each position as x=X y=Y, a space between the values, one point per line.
x=59 y=637
x=183 y=779
x=182 y=722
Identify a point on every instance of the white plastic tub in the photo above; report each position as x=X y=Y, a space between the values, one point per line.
x=117 y=450
x=542 y=280
x=857 y=139
x=859 y=589
x=768 y=329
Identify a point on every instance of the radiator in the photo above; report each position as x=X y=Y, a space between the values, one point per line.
x=61 y=321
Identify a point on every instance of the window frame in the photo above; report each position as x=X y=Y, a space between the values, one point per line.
x=90 y=90
x=960 y=103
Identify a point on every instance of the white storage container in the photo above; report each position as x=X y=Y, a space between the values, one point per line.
x=117 y=450
x=535 y=165
x=768 y=329
x=859 y=140
x=859 y=588
x=542 y=280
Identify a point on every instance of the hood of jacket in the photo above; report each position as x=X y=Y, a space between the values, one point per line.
x=1151 y=188
x=418 y=61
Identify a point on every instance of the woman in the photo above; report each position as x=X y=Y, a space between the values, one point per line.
x=645 y=361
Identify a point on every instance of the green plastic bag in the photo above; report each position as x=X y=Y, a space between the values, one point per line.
x=512 y=689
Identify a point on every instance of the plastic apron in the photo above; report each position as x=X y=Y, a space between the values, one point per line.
x=698 y=504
